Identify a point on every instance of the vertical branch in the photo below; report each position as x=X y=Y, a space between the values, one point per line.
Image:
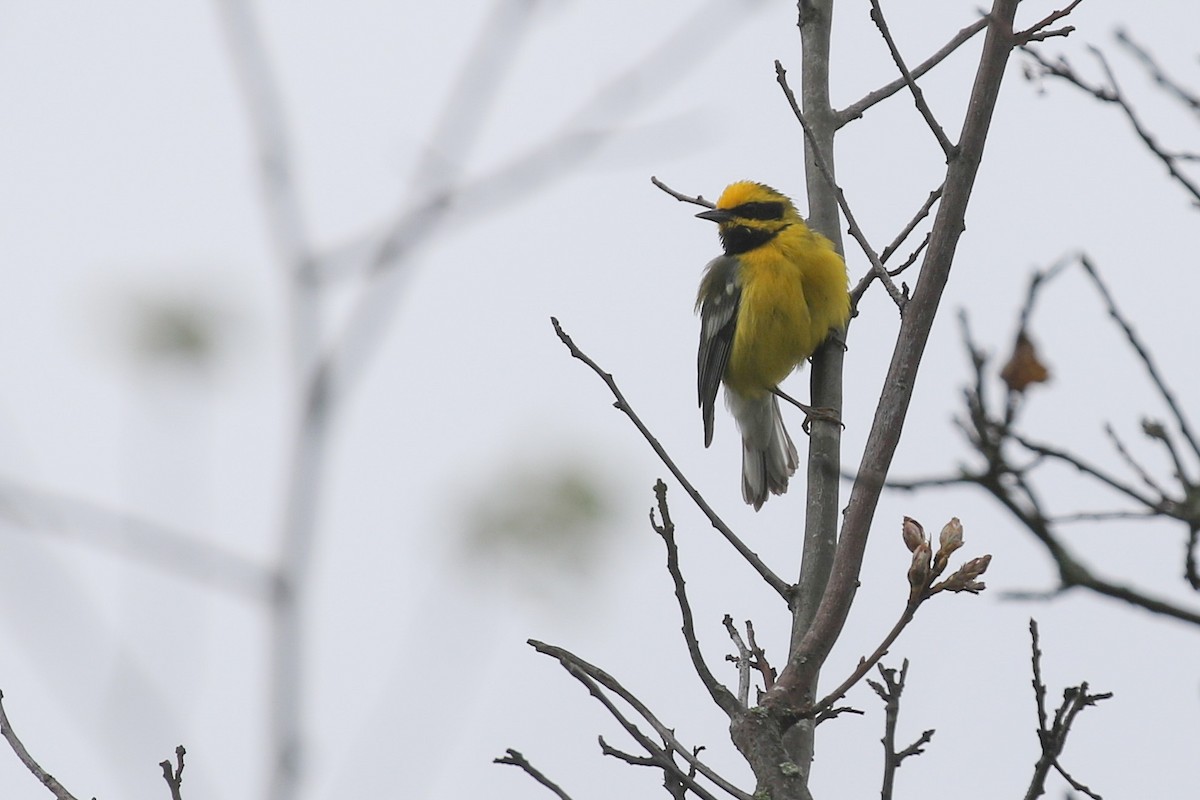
x=824 y=444
x=289 y=234
x=795 y=681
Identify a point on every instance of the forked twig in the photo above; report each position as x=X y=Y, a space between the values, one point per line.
x=1052 y=733
x=174 y=775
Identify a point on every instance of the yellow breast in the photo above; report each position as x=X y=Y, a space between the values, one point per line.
x=794 y=290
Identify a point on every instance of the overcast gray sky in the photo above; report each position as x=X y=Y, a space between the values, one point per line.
x=129 y=186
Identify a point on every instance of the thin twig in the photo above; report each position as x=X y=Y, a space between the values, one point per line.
x=918 y=96
x=856 y=109
x=1112 y=94
x=1037 y=31
x=683 y=198
x=47 y=780
x=136 y=538
x=773 y=580
x=174 y=777
x=1132 y=462
x=1078 y=463
x=889 y=691
x=592 y=677
x=1052 y=735
x=865 y=664
x=1157 y=73
x=1144 y=133
x=629 y=758
x=1191 y=573
x=741 y=660
x=760 y=658
x=666 y=529
x=1143 y=353
x=861 y=287
x=515 y=759
x=921 y=214
x=819 y=158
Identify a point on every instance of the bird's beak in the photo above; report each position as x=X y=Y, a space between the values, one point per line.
x=715 y=215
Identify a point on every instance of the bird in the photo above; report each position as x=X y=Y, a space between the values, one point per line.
x=765 y=306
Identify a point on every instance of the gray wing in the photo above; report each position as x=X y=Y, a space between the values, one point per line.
x=720 y=293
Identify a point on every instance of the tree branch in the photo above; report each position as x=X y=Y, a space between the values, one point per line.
x=877 y=269
x=666 y=529
x=856 y=110
x=592 y=677
x=915 y=325
x=174 y=777
x=1143 y=354
x=918 y=96
x=1053 y=735
x=47 y=780
x=1112 y=94
x=514 y=758
x=889 y=691
x=622 y=405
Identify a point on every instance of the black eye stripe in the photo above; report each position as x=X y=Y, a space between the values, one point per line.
x=764 y=211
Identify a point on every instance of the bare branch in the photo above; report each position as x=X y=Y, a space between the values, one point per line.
x=865 y=664
x=877 y=267
x=1052 y=735
x=1131 y=462
x=1112 y=94
x=918 y=96
x=629 y=758
x=1157 y=73
x=861 y=287
x=622 y=405
x=683 y=198
x=174 y=777
x=47 y=780
x=889 y=691
x=1038 y=31
x=856 y=110
x=760 y=658
x=807 y=657
x=593 y=678
x=1086 y=468
x=1143 y=353
x=515 y=759
x=137 y=539
x=741 y=660
x=922 y=212
x=666 y=529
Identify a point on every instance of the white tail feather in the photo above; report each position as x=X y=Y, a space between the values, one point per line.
x=768 y=454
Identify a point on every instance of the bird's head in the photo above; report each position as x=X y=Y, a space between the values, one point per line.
x=749 y=215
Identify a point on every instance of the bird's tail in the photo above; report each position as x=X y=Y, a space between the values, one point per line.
x=768 y=454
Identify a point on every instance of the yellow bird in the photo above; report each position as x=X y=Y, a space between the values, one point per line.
x=765 y=307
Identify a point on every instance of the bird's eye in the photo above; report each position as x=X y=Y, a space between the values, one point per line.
x=764 y=211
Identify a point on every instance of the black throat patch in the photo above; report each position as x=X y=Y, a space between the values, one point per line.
x=741 y=239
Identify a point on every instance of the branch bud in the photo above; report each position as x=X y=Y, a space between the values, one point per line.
x=1154 y=429
x=913 y=534
x=963 y=580
x=919 y=572
x=949 y=540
